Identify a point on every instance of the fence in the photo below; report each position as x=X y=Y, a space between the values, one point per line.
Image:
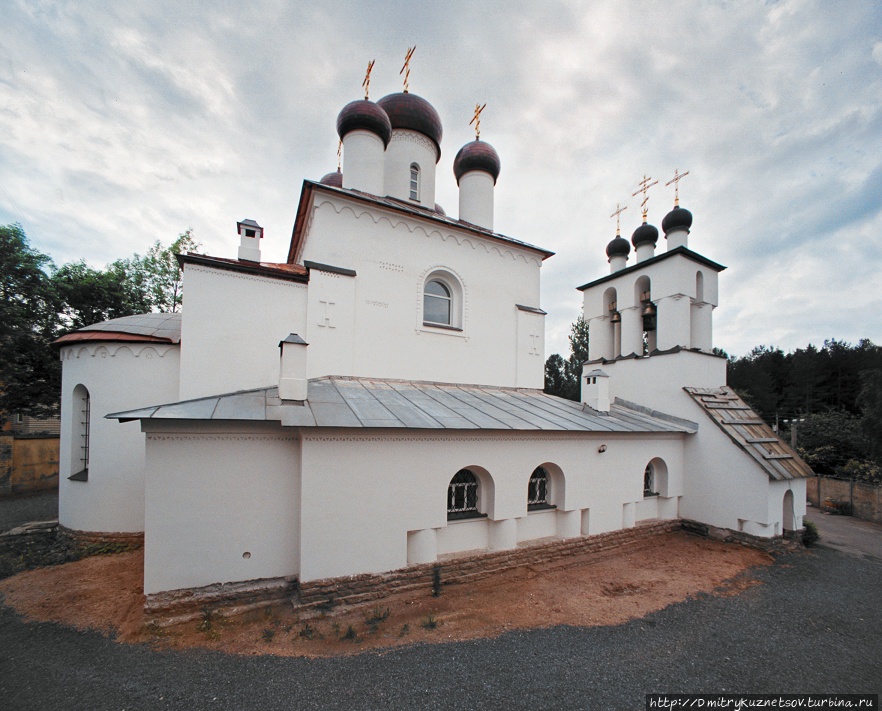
x=28 y=463
x=860 y=499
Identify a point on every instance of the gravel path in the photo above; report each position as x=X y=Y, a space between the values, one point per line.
x=19 y=509
x=814 y=625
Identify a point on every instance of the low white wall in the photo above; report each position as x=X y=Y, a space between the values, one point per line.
x=537 y=524
x=401 y=490
x=118 y=376
x=465 y=535
x=222 y=504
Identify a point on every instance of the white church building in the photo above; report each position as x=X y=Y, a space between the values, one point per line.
x=376 y=401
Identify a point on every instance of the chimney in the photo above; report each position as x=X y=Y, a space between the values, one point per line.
x=595 y=390
x=250 y=234
x=292 y=369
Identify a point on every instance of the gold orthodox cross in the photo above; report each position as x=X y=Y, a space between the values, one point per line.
x=617 y=214
x=476 y=119
x=645 y=185
x=367 y=79
x=406 y=68
x=678 y=176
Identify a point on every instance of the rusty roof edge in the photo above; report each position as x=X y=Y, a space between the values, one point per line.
x=767 y=465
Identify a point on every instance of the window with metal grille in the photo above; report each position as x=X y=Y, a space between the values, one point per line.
x=649 y=481
x=537 y=490
x=437 y=303
x=414 y=181
x=462 y=495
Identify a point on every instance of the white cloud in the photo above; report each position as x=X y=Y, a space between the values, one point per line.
x=122 y=124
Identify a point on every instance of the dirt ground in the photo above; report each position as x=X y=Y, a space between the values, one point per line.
x=104 y=593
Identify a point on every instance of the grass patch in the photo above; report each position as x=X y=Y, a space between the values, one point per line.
x=429 y=622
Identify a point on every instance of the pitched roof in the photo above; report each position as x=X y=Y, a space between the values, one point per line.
x=274 y=270
x=380 y=403
x=144 y=328
x=684 y=251
x=402 y=206
x=750 y=432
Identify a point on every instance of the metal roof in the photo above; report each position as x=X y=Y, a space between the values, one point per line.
x=750 y=432
x=165 y=327
x=379 y=403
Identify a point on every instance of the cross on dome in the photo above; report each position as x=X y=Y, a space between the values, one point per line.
x=367 y=78
x=678 y=176
x=645 y=185
x=476 y=119
x=406 y=68
x=617 y=214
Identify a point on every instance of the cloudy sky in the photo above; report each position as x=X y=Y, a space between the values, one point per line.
x=126 y=122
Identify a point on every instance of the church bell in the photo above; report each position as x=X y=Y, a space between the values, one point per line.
x=648 y=313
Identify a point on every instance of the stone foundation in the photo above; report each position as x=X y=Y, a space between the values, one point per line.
x=134 y=539
x=317 y=597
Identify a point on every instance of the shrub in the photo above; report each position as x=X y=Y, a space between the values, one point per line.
x=810 y=534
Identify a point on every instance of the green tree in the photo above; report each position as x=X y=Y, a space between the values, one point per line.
x=88 y=296
x=870 y=402
x=157 y=274
x=829 y=440
x=30 y=373
x=562 y=376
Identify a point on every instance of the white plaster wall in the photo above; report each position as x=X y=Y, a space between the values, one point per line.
x=231 y=329
x=476 y=190
x=537 y=524
x=465 y=535
x=674 y=275
x=658 y=381
x=724 y=485
x=393 y=255
x=397 y=485
x=215 y=492
x=330 y=326
x=363 y=162
x=118 y=376
x=777 y=489
x=407 y=147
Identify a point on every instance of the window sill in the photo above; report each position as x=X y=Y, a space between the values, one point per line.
x=540 y=507
x=649 y=494
x=444 y=326
x=465 y=515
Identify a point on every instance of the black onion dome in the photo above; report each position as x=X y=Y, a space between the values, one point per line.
x=477 y=155
x=334 y=179
x=406 y=110
x=440 y=210
x=366 y=115
x=645 y=234
x=678 y=218
x=619 y=247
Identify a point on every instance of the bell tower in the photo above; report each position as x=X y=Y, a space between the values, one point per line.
x=660 y=305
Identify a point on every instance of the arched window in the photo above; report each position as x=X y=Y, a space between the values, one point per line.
x=649 y=483
x=437 y=303
x=80 y=441
x=462 y=495
x=537 y=489
x=414 y=182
